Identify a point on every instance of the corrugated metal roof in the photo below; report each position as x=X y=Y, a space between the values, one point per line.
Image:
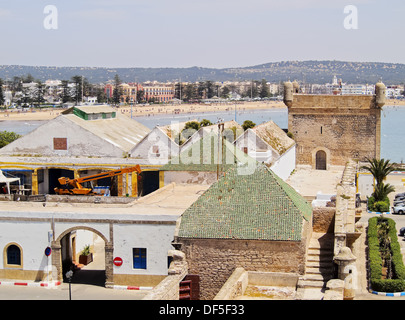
x=121 y=131
x=258 y=206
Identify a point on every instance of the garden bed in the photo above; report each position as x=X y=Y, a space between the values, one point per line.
x=387 y=270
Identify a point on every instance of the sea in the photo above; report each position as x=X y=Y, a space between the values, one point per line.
x=392 y=127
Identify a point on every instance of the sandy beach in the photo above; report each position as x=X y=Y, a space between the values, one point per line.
x=145 y=110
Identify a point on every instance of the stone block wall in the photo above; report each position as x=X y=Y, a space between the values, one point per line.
x=324 y=220
x=345 y=127
x=214 y=260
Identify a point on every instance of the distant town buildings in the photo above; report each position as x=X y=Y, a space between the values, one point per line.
x=56 y=92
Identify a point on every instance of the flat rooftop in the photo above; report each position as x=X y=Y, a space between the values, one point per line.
x=308 y=182
x=165 y=204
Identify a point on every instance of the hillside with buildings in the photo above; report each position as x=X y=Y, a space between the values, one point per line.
x=305 y=71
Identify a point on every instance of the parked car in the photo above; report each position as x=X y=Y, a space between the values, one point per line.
x=400 y=195
x=398 y=202
x=402 y=231
x=399 y=209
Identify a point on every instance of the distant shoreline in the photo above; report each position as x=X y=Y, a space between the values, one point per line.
x=142 y=111
x=161 y=109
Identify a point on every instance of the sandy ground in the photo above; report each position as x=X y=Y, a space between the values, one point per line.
x=140 y=110
x=47 y=114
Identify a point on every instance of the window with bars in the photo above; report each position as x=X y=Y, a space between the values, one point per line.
x=13 y=255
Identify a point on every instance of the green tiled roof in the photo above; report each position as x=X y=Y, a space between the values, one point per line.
x=259 y=206
x=203 y=156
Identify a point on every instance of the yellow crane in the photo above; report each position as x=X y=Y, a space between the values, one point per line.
x=74 y=187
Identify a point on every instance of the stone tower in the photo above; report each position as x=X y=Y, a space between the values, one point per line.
x=331 y=129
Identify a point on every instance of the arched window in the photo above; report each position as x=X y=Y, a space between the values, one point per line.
x=13 y=256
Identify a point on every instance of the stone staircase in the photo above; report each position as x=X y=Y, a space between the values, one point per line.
x=318 y=268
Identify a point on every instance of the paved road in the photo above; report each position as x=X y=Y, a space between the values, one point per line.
x=78 y=292
x=86 y=285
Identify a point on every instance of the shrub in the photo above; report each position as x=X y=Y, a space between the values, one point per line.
x=381 y=206
x=378 y=284
x=378 y=206
x=370 y=203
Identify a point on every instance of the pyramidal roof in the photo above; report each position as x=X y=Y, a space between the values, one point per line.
x=206 y=154
x=256 y=206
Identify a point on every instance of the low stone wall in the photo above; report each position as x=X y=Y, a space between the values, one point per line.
x=239 y=280
x=235 y=286
x=215 y=260
x=323 y=220
x=168 y=289
x=88 y=199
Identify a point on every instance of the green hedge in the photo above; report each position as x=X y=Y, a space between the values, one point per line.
x=377 y=284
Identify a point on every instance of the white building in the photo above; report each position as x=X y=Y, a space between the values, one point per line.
x=139 y=234
x=269 y=144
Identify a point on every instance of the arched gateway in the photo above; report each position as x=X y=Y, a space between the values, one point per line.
x=57 y=253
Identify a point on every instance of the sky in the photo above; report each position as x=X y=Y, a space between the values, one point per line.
x=203 y=33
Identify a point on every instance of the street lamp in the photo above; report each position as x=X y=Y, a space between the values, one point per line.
x=69 y=276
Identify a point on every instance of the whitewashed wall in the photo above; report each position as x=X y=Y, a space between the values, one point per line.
x=154 y=237
x=285 y=164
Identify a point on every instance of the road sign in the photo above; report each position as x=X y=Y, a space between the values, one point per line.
x=48 y=251
x=117 y=261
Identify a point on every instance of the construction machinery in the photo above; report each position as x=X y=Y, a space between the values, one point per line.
x=74 y=186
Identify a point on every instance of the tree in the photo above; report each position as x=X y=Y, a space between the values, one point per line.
x=192 y=125
x=7 y=137
x=251 y=91
x=190 y=92
x=65 y=94
x=140 y=95
x=248 y=124
x=205 y=123
x=382 y=190
x=78 y=92
x=26 y=98
x=209 y=87
x=190 y=128
x=117 y=93
x=225 y=91
x=2 y=99
x=200 y=90
x=28 y=79
x=101 y=96
x=39 y=93
x=264 y=89
x=380 y=169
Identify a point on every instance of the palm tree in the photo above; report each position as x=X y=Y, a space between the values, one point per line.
x=382 y=190
x=380 y=169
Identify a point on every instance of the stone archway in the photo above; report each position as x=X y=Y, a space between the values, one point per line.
x=320 y=160
x=108 y=246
